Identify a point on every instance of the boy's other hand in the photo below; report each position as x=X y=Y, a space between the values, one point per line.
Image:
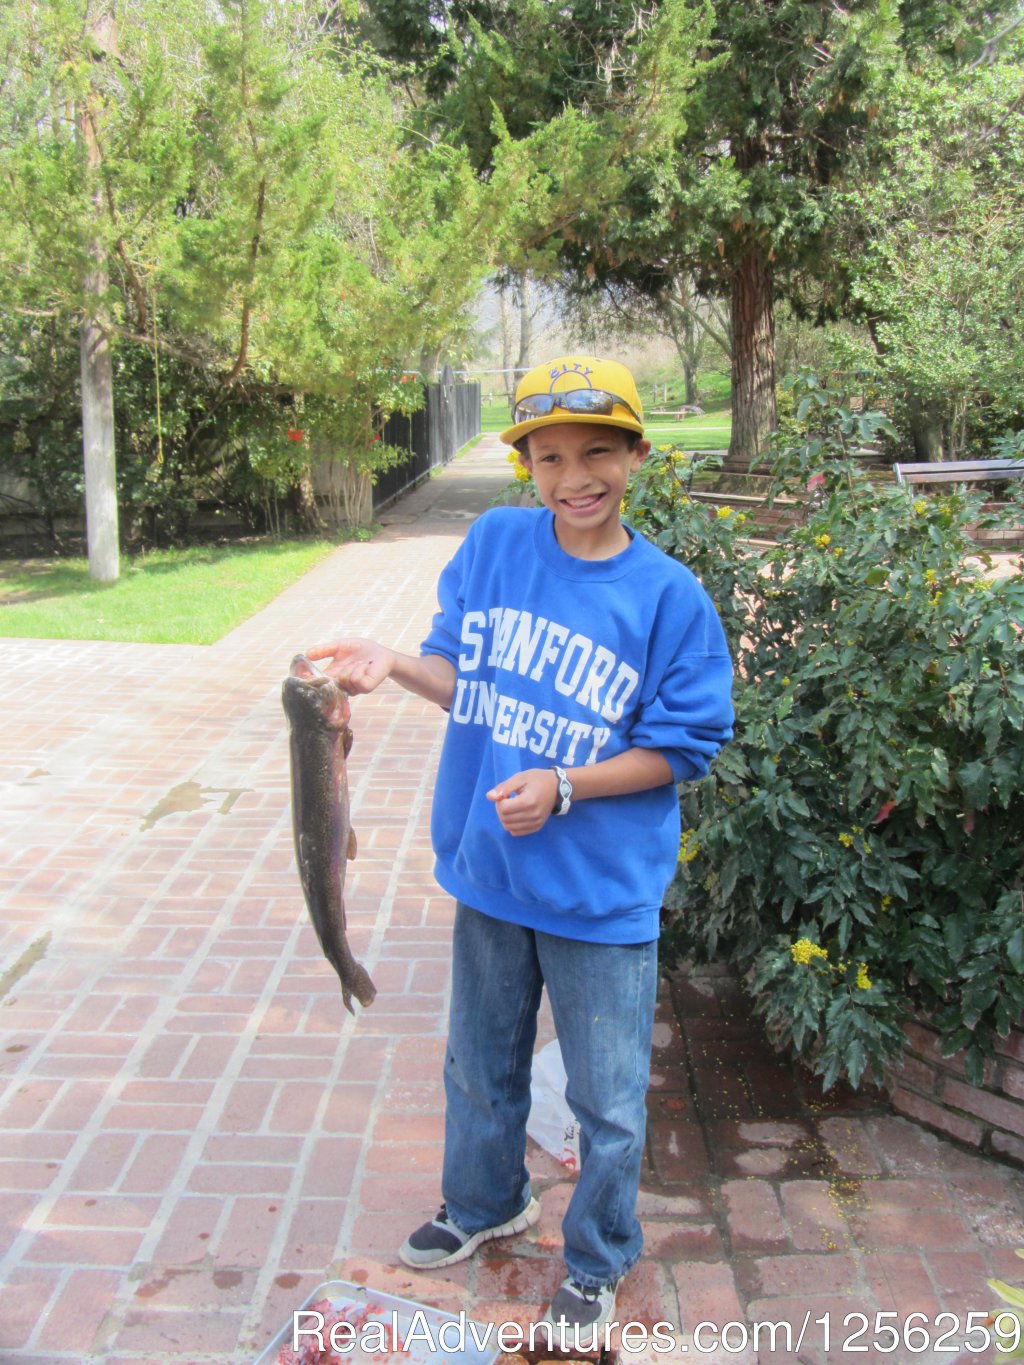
x=355 y=665
x=525 y=801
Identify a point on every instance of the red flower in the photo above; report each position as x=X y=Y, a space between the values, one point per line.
x=377 y=437
x=294 y=434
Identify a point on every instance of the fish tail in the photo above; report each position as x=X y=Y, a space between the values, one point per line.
x=358 y=985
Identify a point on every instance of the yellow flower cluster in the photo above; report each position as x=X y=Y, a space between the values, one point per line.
x=804 y=951
x=723 y=512
x=822 y=542
x=847 y=838
x=519 y=473
x=862 y=981
x=688 y=846
x=920 y=506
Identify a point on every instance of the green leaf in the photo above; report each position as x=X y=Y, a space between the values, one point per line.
x=1007 y=1292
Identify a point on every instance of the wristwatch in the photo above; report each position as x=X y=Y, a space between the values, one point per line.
x=564 y=799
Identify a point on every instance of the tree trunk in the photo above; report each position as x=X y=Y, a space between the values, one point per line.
x=687 y=344
x=96 y=366
x=690 y=367
x=98 y=451
x=506 y=345
x=305 y=503
x=430 y=357
x=525 y=321
x=926 y=429
x=754 y=415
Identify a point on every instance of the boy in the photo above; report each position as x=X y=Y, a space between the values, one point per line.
x=585 y=674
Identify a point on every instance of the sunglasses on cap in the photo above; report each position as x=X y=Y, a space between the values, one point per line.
x=590 y=402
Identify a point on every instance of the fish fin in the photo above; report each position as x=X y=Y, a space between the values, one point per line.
x=356 y=982
x=367 y=990
x=352 y=847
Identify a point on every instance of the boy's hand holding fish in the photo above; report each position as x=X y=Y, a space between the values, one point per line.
x=362 y=665
x=356 y=665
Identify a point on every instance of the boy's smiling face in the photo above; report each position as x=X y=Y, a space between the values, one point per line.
x=581 y=470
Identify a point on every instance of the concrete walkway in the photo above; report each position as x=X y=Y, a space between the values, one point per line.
x=194 y=1134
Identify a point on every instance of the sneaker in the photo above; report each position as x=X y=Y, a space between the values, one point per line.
x=440 y=1242
x=578 y=1313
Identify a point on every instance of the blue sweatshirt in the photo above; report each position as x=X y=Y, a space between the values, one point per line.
x=570 y=661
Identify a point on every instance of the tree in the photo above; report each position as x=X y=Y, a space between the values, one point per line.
x=721 y=127
x=935 y=257
x=777 y=110
x=77 y=101
x=720 y=138
x=679 y=313
x=266 y=221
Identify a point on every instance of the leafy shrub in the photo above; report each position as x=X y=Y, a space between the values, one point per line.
x=858 y=849
x=185 y=442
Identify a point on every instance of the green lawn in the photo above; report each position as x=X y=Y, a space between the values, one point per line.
x=185 y=596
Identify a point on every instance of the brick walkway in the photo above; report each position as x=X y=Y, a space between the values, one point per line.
x=193 y=1133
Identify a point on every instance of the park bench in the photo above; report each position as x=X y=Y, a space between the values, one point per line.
x=959 y=471
x=964 y=472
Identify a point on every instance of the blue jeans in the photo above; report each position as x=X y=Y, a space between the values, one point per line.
x=602 y=998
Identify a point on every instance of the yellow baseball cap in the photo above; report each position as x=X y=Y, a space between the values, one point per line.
x=575 y=388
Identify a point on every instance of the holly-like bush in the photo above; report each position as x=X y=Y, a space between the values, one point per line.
x=858 y=849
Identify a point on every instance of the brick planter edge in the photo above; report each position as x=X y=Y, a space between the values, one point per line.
x=933 y=1090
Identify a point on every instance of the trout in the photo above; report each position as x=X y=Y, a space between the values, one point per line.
x=318 y=715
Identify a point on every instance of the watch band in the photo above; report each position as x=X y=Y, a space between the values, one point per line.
x=564 y=799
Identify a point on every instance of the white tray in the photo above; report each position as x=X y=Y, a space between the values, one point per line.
x=411 y=1332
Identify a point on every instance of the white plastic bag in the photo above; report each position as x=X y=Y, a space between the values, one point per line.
x=552 y=1123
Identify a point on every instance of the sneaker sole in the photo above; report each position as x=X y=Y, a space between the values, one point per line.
x=520 y=1223
x=574 y=1337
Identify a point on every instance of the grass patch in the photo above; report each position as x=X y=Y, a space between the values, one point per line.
x=710 y=432
x=181 y=596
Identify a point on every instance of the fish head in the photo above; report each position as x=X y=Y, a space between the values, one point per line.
x=310 y=696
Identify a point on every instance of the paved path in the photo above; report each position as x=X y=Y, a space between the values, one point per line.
x=194 y=1134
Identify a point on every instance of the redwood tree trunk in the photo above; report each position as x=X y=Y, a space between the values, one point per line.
x=753 y=358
